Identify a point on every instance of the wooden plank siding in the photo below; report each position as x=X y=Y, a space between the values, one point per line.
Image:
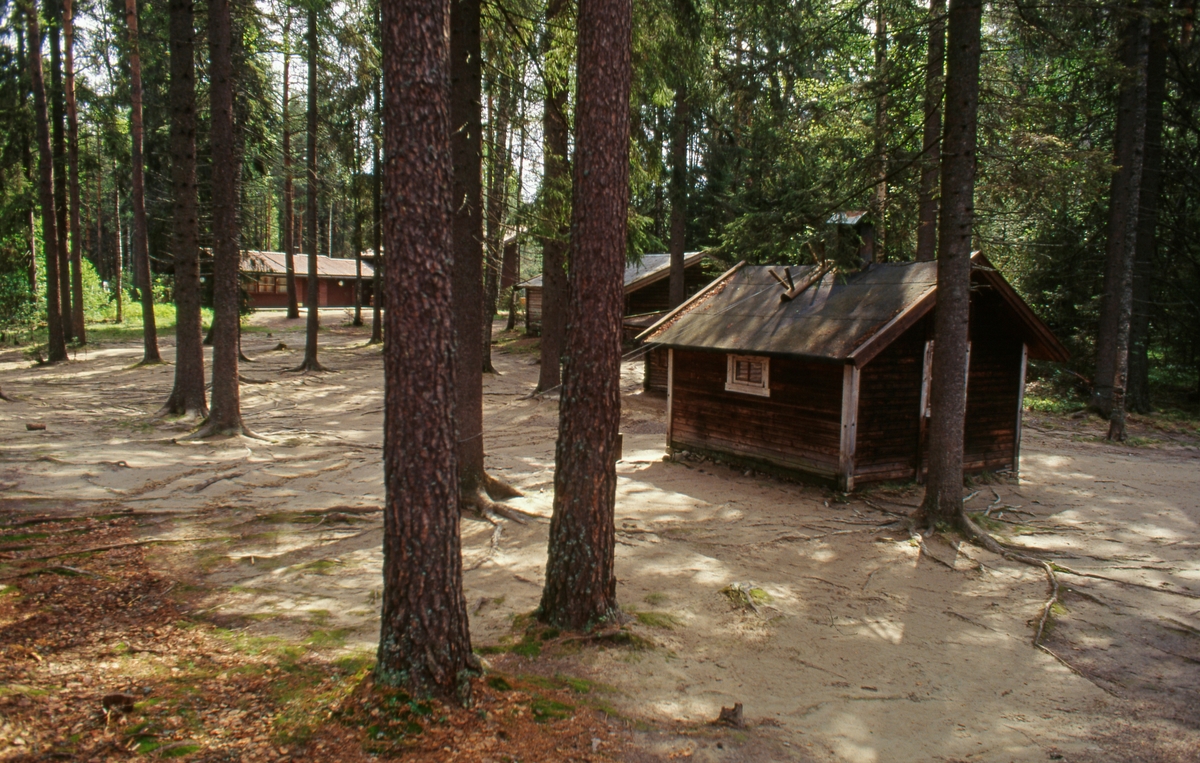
x=889 y=409
x=533 y=310
x=993 y=390
x=655 y=371
x=798 y=427
x=656 y=297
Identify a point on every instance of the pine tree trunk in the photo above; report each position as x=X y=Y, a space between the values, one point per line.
x=509 y=275
x=377 y=222
x=312 y=299
x=1130 y=218
x=140 y=240
x=119 y=276
x=466 y=80
x=424 y=643
x=581 y=580
x=358 y=235
x=27 y=157
x=1108 y=329
x=57 y=349
x=58 y=112
x=948 y=402
x=499 y=169
x=78 y=328
x=225 y=414
x=677 y=287
x=555 y=179
x=188 y=396
x=935 y=63
x=879 y=199
x=1138 y=395
x=289 y=191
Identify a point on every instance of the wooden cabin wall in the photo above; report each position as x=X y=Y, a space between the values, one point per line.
x=889 y=402
x=993 y=386
x=533 y=310
x=655 y=371
x=797 y=427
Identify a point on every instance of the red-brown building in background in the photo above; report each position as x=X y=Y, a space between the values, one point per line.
x=265 y=280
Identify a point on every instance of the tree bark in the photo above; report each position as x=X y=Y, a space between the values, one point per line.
x=580 y=589
x=377 y=222
x=466 y=145
x=555 y=177
x=58 y=113
x=509 y=274
x=27 y=158
x=188 y=396
x=499 y=169
x=1138 y=395
x=312 y=299
x=225 y=415
x=140 y=241
x=424 y=643
x=677 y=288
x=358 y=233
x=1140 y=42
x=78 y=328
x=57 y=349
x=119 y=276
x=1119 y=208
x=289 y=191
x=879 y=199
x=948 y=402
x=935 y=62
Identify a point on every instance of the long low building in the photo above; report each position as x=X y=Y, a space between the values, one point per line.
x=265 y=279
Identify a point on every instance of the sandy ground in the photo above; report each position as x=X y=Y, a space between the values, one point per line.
x=862 y=649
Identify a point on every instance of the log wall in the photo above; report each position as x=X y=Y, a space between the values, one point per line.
x=798 y=427
x=889 y=402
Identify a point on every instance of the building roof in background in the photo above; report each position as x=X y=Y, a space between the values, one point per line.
x=842 y=317
x=327 y=267
x=651 y=268
x=849 y=217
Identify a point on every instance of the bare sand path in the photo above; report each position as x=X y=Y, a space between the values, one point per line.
x=859 y=648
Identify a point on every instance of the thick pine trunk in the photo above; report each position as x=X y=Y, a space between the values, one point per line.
x=225 y=415
x=27 y=162
x=509 y=275
x=289 y=191
x=188 y=396
x=948 y=402
x=119 y=275
x=312 y=244
x=1139 y=41
x=58 y=112
x=581 y=580
x=679 y=195
x=78 y=328
x=555 y=179
x=424 y=643
x=140 y=240
x=1138 y=395
x=935 y=63
x=57 y=349
x=466 y=145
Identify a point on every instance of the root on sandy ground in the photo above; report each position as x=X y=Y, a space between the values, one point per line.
x=5 y=397
x=309 y=366
x=478 y=502
x=499 y=489
x=211 y=429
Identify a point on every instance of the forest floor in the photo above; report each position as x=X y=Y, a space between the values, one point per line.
x=220 y=600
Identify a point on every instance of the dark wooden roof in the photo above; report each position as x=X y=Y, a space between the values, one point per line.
x=327 y=267
x=840 y=317
x=649 y=269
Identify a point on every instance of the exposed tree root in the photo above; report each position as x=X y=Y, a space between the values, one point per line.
x=309 y=366
x=481 y=505
x=248 y=380
x=498 y=489
x=983 y=538
x=5 y=398
x=1129 y=583
x=113 y=546
x=497 y=530
x=212 y=429
x=176 y=406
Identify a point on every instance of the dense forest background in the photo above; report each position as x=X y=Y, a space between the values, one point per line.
x=761 y=119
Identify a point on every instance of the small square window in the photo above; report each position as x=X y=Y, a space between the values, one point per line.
x=749 y=374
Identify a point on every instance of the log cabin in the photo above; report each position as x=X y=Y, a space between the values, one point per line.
x=264 y=276
x=647 y=287
x=827 y=375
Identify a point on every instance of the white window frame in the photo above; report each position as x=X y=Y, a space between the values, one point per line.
x=732 y=385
